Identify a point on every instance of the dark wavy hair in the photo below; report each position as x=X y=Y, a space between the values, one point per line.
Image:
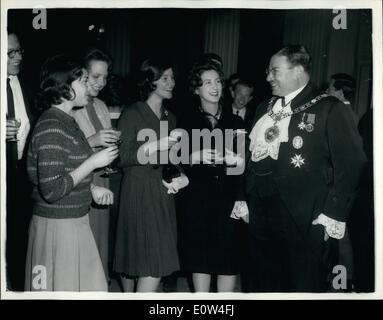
x=297 y=55
x=346 y=83
x=57 y=75
x=151 y=70
x=198 y=69
x=95 y=54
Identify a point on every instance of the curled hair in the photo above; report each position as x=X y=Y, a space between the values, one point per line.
x=211 y=57
x=346 y=83
x=151 y=70
x=297 y=55
x=198 y=69
x=96 y=55
x=57 y=75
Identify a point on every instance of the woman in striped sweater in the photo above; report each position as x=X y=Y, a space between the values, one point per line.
x=62 y=254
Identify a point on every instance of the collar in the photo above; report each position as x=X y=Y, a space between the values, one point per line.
x=217 y=115
x=64 y=117
x=240 y=111
x=13 y=79
x=293 y=94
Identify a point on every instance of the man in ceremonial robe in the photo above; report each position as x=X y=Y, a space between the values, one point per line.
x=305 y=158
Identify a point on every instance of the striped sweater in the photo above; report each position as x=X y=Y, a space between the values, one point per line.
x=57 y=147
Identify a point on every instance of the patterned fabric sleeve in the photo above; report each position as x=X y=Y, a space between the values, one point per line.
x=52 y=156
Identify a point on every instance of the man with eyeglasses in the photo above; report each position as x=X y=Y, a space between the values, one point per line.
x=304 y=163
x=18 y=126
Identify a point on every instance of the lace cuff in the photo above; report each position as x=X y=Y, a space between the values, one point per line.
x=334 y=228
x=240 y=210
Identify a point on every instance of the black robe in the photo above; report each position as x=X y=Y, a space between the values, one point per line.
x=284 y=203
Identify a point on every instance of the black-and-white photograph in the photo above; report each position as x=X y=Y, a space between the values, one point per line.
x=190 y=148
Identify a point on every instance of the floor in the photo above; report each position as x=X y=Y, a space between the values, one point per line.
x=175 y=283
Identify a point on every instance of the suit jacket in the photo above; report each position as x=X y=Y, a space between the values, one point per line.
x=249 y=114
x=11 y=149
x=333 y=155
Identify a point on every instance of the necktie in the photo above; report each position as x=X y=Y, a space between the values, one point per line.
x=283 y=102
x=11 y=103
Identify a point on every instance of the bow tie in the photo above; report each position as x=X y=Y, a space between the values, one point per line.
x=283 y=100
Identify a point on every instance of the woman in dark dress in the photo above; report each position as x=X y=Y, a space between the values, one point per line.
x=146 y=238
x=211 y=235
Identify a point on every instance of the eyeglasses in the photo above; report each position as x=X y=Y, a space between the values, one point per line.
x=12 y=53
x=275 y=71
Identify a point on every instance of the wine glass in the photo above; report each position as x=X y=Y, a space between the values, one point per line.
x=110 y=169
x=17 y=123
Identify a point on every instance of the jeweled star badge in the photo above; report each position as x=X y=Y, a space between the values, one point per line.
x=297 y=142
x=301 y=125
x=297 y=161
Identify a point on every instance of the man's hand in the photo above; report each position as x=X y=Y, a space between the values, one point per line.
x=326 y=236
x=12 y=129
x=240 y=211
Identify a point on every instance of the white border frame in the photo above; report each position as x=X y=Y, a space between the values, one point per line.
x=375 y=5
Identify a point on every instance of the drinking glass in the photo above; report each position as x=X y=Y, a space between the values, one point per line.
x=17 y=124
x=110 y=169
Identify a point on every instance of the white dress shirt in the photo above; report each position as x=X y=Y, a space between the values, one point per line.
x=240 y=112
x=259 y=147
x=21 y=114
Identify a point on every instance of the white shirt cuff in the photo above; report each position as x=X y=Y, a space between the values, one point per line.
x=334 y=228
x=240 y=210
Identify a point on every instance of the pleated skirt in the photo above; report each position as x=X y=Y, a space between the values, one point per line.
x=146 y=234
x=62 y=256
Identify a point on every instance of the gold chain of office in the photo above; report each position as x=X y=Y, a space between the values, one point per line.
x=281 y=115
x=273 y=132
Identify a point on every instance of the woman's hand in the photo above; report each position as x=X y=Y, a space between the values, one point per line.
x=104 y=138
x=206 y=156
x=166 y=143
x=162 y=144
x=104 y=157
x=233 y=159
x=176 y=184
x=102 y=196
